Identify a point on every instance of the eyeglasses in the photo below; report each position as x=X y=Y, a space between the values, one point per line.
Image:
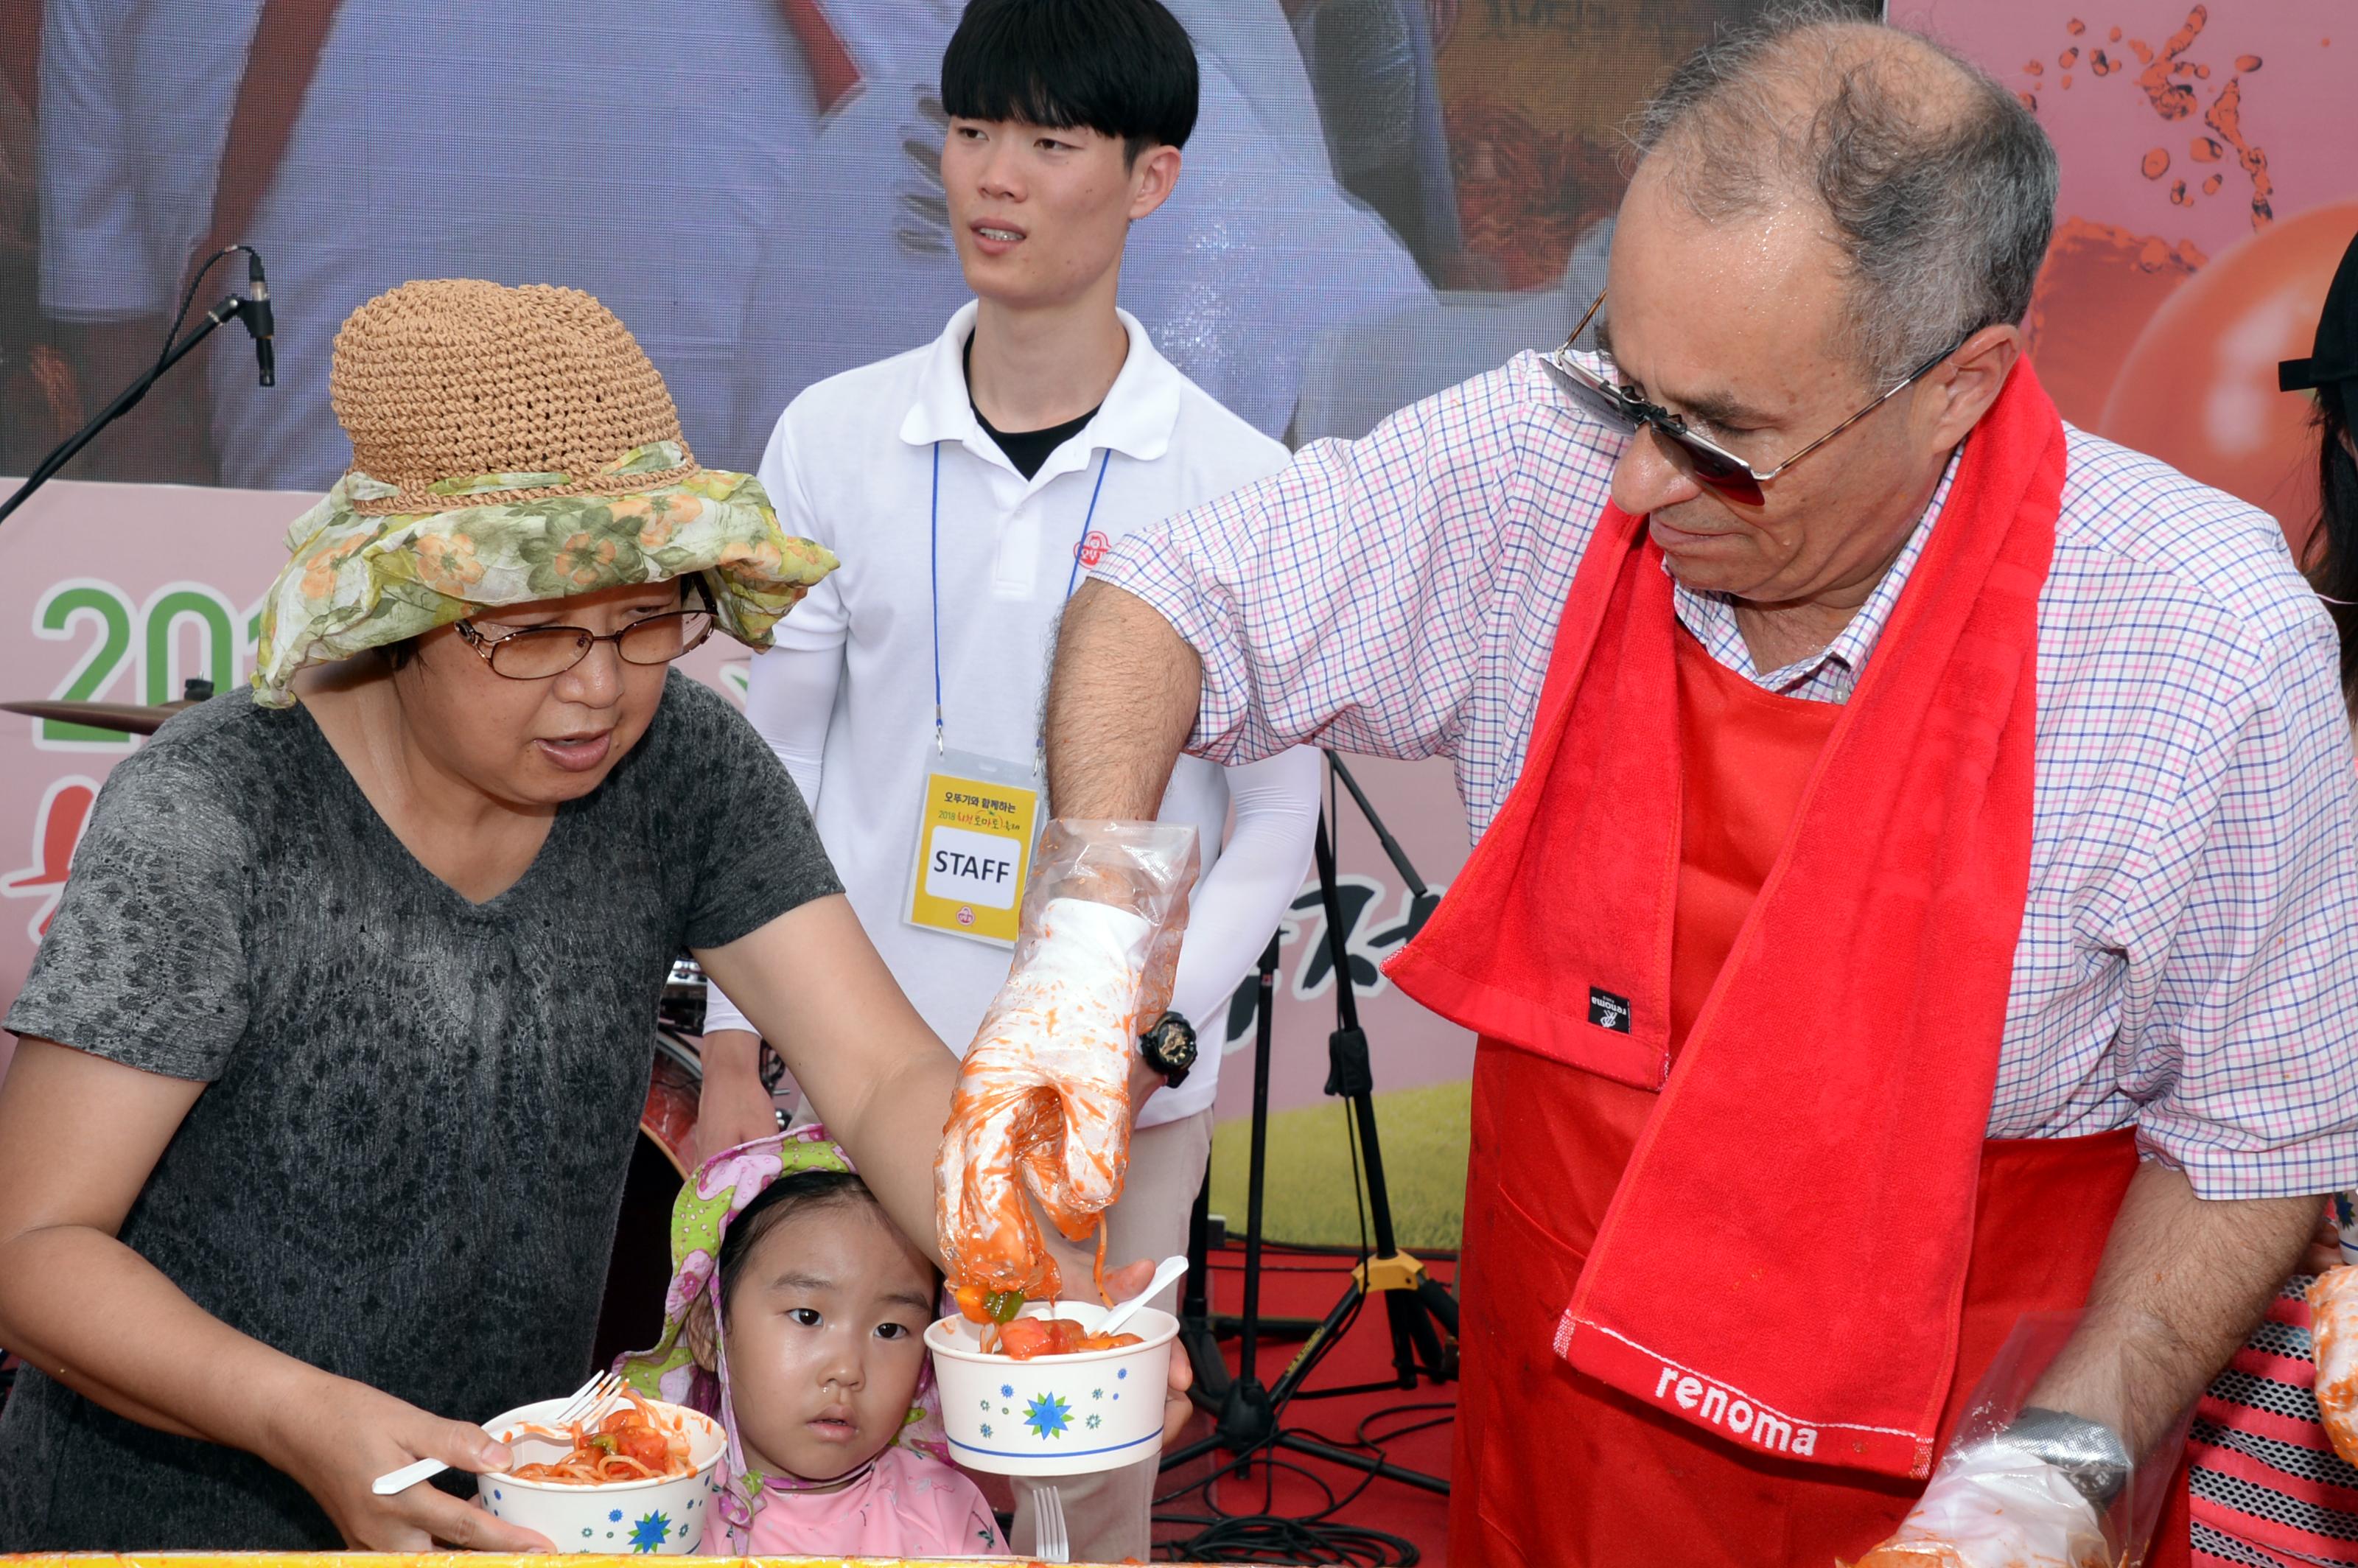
x=1707 y=460
x=536 y=653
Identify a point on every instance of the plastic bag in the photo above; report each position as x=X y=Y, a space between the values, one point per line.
x=2333 y=1335
x=1043 y=1101
x=1997 y=1502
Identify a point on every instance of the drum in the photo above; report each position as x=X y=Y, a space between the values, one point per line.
x=630 y=1316
x=669 y=1116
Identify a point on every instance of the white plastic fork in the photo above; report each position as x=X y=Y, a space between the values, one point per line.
x=585 y=1404
x=1049 y=1541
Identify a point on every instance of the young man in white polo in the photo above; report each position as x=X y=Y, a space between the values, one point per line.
x=967 y=485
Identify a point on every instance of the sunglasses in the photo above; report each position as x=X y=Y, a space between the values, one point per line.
x=1710 y=464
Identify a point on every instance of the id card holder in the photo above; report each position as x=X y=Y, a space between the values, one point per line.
x=976 y=822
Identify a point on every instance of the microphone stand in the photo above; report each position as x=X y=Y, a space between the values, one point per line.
x=1423 y=900
x=1421 y=1312
x=232 y=308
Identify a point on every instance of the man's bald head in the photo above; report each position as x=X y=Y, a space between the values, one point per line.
x=1937 y=184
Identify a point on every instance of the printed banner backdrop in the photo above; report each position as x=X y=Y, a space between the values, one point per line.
x=1382 y=198
x=2209 y=188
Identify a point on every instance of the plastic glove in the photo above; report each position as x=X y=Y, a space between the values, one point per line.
x=1044 y=1090
x=2333 y=1335
x=1994 y=1506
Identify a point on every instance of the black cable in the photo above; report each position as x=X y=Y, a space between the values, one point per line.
x=1447 y=1407
x=1302 y=1538
x=1260 y=1537
x=1378 y=1387
x=1268 y=1537
x=188 y=295
x=1224 y=1467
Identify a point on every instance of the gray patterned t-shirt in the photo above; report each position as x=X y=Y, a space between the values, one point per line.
x=407 y=1163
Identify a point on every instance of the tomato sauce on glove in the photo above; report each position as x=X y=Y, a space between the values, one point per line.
x=1044 y=1092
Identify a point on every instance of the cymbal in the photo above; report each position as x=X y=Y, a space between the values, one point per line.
x=123 y=717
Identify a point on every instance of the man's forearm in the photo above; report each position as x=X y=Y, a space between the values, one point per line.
x=2182 y=1282
x=1122 y=702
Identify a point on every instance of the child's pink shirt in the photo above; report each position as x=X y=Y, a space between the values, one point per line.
x=906 y=1506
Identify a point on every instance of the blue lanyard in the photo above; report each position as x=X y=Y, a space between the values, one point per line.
x=933 y=540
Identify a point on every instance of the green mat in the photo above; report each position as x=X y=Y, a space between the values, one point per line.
x=1307 y=1192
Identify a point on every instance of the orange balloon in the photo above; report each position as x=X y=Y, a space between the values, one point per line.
x=2198 y=387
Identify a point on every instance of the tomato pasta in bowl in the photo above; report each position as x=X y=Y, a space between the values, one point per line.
x=641 y=1478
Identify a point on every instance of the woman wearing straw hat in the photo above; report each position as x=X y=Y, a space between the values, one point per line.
x=331 y=1059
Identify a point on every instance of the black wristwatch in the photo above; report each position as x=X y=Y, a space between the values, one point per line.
x=2091 y=1454
x=1170 y=1048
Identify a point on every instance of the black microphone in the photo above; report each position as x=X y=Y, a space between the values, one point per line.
x=259 y=320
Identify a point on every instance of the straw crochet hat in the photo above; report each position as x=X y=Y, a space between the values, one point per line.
x=510 y=445
x=459 y=376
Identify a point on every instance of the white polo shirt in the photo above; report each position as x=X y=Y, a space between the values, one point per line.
x=848 y=695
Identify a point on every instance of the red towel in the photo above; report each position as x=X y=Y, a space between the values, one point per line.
x=1824 y=1120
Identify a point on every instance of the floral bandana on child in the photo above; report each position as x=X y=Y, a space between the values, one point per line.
x=719 y=1191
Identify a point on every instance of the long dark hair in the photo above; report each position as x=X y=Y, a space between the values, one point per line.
x=2333 y=552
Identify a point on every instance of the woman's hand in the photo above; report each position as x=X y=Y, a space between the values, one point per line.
x=339 y=1442
x=733 y=1108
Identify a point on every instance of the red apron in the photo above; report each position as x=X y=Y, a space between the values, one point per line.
x=1554 y=1467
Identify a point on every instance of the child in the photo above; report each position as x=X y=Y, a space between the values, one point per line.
x=797 y=1315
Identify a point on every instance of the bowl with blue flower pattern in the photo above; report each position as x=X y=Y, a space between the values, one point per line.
x=662 y=1517
x=1054 y=1415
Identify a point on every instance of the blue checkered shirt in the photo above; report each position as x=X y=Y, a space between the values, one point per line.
x=2188 y=956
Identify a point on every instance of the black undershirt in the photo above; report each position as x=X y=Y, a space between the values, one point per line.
x=1027 y=449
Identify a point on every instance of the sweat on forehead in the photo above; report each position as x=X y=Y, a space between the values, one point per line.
x=1935 y=184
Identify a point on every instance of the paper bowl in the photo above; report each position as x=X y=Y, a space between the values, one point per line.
x=665 y=1516
x=1054 y=1415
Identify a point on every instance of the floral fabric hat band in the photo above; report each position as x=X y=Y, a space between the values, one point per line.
x=357 y=582
x=510 y=445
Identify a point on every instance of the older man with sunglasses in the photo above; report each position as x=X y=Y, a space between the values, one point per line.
x=1916 y=864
